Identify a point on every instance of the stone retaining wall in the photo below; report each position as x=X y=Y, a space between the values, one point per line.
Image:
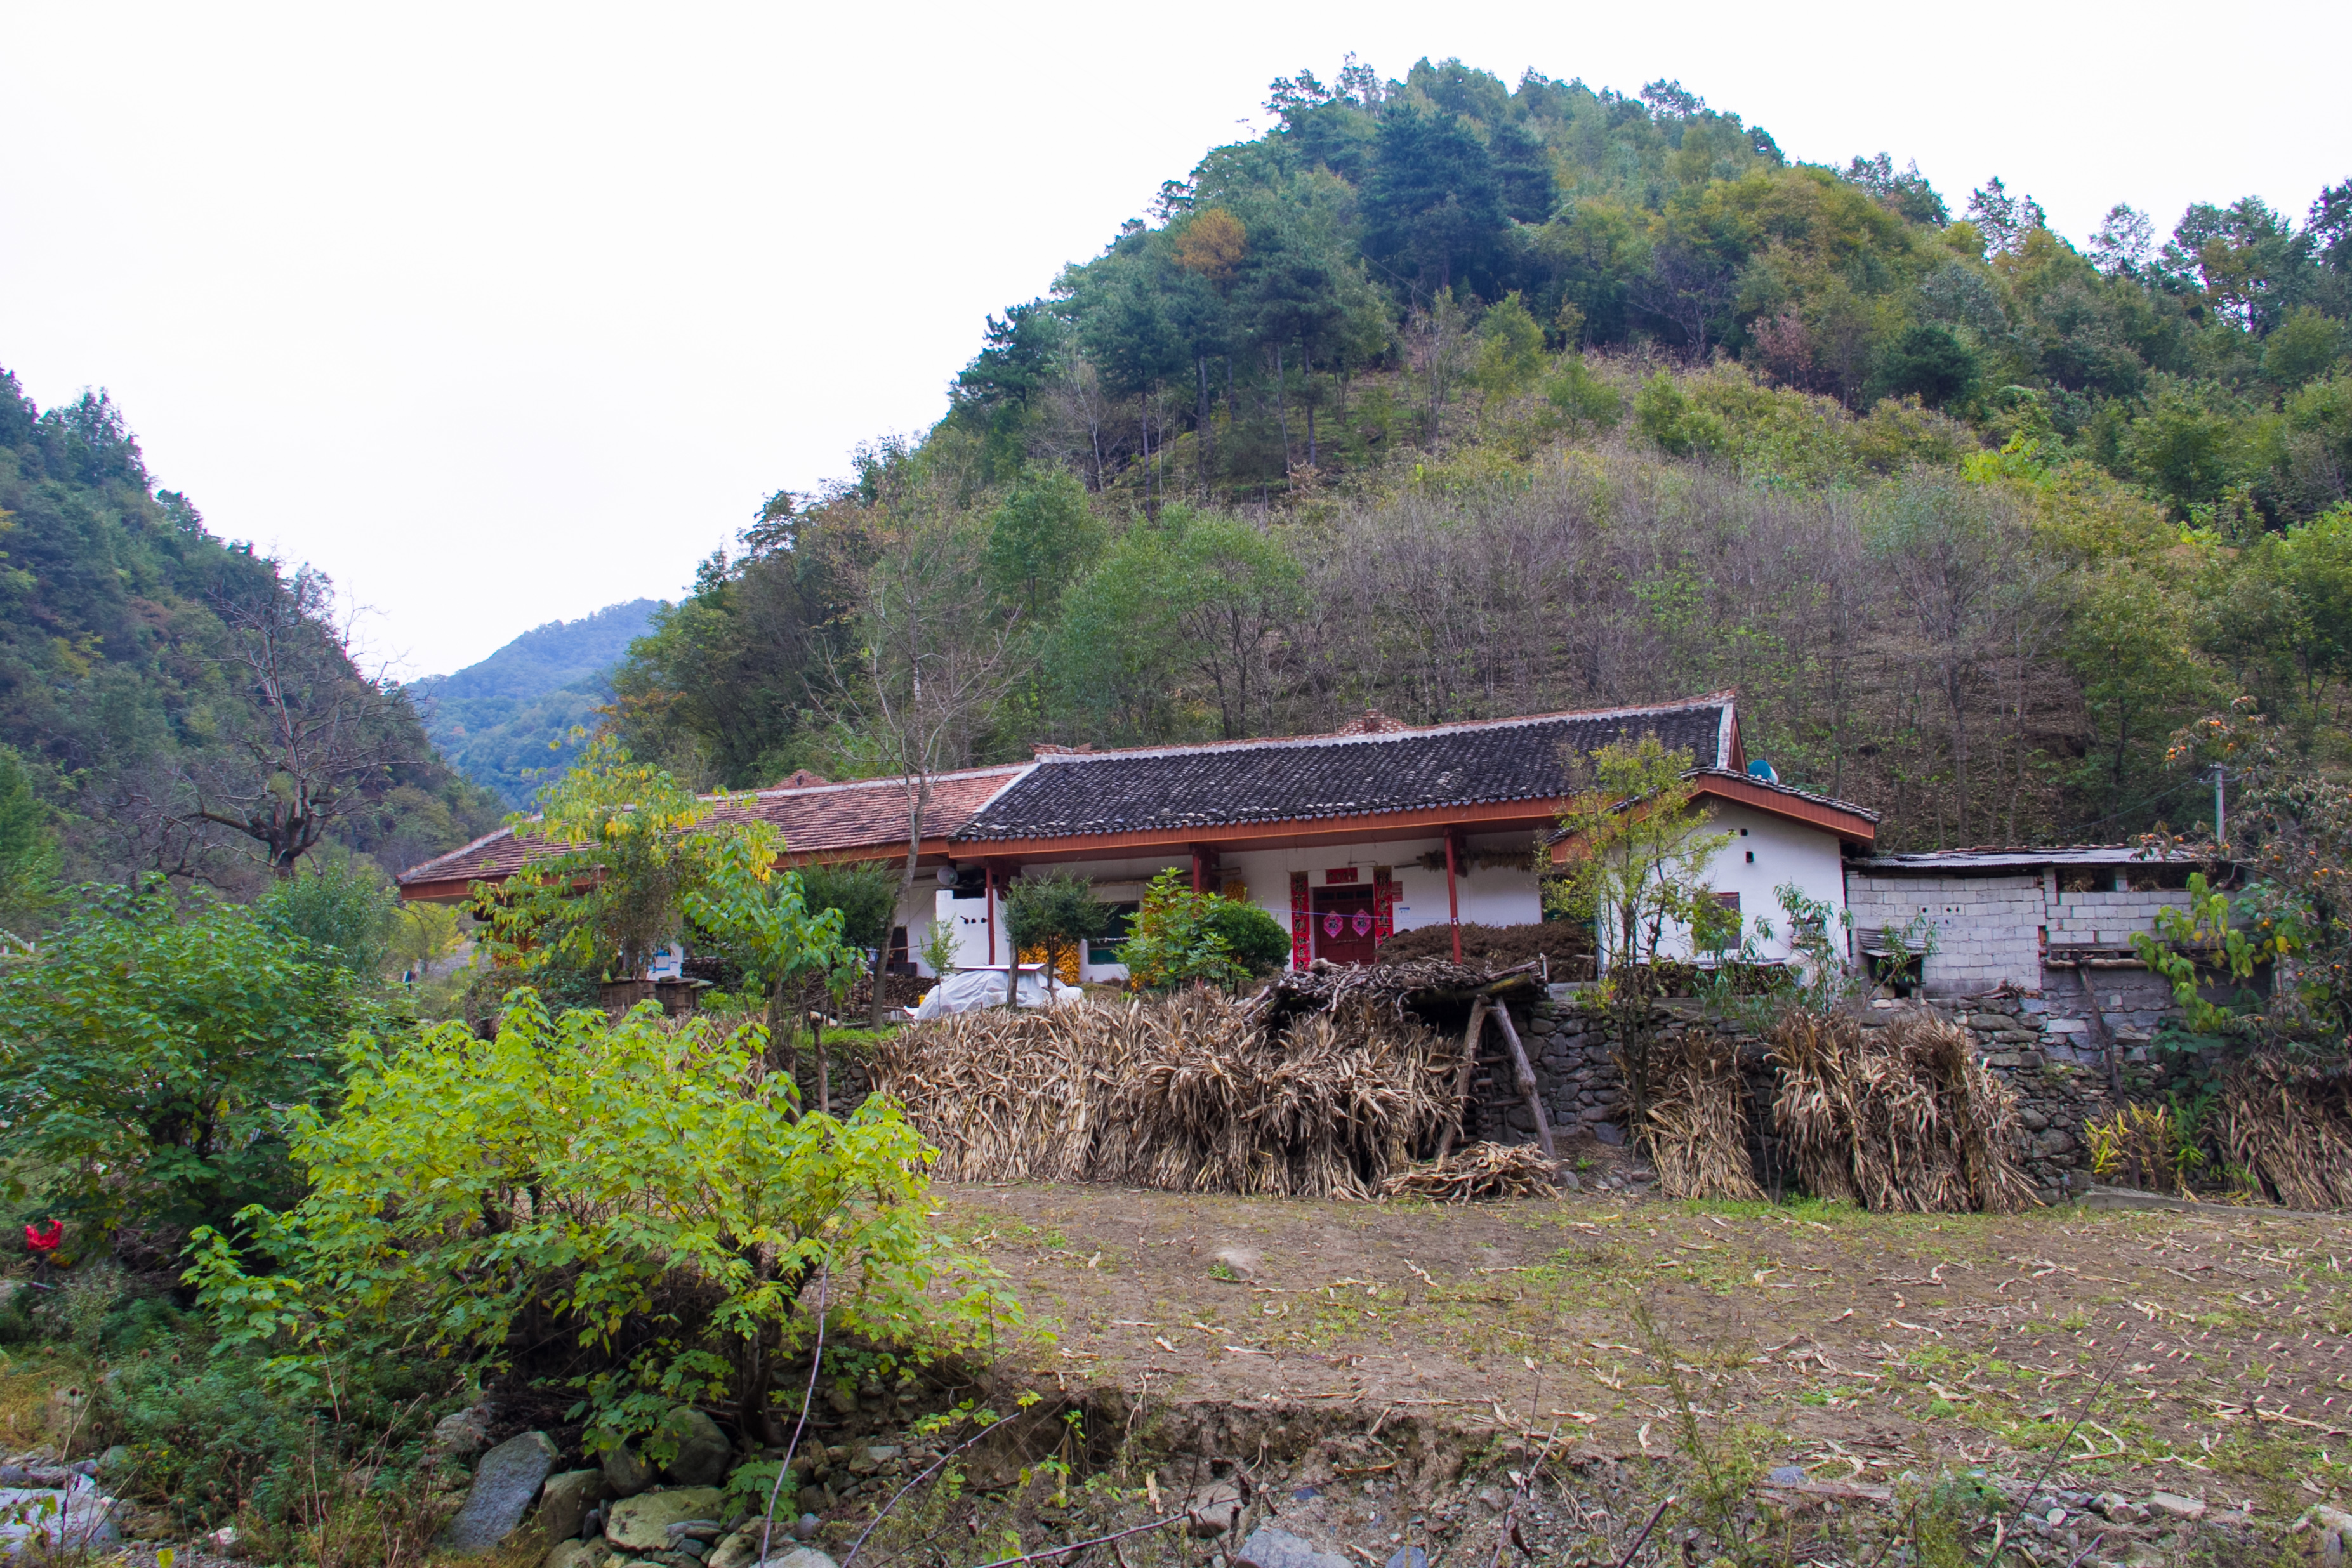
x=2047 y=1051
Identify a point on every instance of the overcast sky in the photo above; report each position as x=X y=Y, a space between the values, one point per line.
x=502 y=314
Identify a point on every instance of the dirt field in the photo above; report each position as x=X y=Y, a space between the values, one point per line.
x=2199 y=1354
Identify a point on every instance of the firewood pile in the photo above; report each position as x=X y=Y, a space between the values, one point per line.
x=1903 y=1118
x=1478 y=1173
x=1193 y=1093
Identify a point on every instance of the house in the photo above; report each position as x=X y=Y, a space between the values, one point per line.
x=1343 y=838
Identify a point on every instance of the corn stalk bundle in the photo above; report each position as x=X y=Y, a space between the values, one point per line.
x=1191 y=1094
x=1697 y=1127
x=1903 y=1118
x=1007 y=1095
x=2290 y=1128
x=1476 y=1173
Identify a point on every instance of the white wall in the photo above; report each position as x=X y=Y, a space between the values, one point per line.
x=1496 y=895
x=1782 y=852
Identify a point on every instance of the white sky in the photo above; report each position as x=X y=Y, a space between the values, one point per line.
x=501 y=314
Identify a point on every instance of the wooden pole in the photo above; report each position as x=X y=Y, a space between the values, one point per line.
x=1525 y=1073
x=1478 y=1011
x=1453 y=901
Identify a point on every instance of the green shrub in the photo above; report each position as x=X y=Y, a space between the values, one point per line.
x=150 y=1052
x=647 y=1190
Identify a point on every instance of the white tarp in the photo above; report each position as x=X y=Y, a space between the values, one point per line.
x=968 y=990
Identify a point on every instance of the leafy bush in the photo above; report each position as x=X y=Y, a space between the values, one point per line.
x=1254 y=938
x=1180 y=936
x=147 y=1052
x=343 y=907
x=650 y=1191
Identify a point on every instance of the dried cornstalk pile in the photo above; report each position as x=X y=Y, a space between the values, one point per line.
x=1481 y=1171
x=1903 y=1118
x=1698 y=1119
x=2290 y=1128
x=1193 y=1094
x=1008 y=1095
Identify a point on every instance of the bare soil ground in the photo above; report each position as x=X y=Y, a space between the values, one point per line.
x=2199 y=1354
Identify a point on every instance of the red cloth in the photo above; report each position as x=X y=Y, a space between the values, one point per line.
x=45 y=1238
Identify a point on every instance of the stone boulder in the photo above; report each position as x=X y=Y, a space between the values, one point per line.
x=641 y=1524
x=1270 y=1548
x=565 y=1500
x=703 y=1451
x=575 y=1554
x=505 y=1483
x=625 y=1475
x=800 y=1557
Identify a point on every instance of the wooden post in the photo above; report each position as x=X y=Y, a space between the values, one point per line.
x=988 y=903
x=1462 y=1077
x=1453 y=901
x=1199 y=869
x=1526 y=1073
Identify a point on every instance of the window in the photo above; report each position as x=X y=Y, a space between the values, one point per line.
x=1109 y=947
x=1729 y=901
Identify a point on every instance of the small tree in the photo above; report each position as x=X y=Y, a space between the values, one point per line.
x=1175 y=940
x=342 y=907
x=1056 y=912
x=1637 y=862
x=151 y=1054
x=760 y=914
x=610 y=898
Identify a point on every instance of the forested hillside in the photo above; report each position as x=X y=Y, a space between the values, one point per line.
x=1456 y=401
x=170 y=701
x=505 y=721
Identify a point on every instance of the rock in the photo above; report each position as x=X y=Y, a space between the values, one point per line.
x=115 y=1463
x=2118 y=1508
x=702 y=1448
x=575 y=1554
x=641 y=1524
x=806 y=1526
x=1787 y=1476
x=1270 y=1548
x=2172 y=1505
x=461 y=1433
x=1241 y=1262
x=625 y=1475
x=843 y=1399
x=800 y=1557
x=506 y=1482
x=2334 y=1528
x=872 y=1457
x=564 y=1501
x=742 y=1548
x=1214 y=1509
x=1408 y=1557
x=1607 y=1132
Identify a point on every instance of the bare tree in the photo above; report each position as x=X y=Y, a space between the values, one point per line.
x=316 y=730
x=936 y=655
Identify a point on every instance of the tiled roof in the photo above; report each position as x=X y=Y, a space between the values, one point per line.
x=1181 y=789
x=868 y=814
x=1773 y=787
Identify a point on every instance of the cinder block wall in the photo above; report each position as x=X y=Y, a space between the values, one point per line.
x=1987 y=928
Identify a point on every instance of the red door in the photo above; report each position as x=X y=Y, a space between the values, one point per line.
x=1343 y=924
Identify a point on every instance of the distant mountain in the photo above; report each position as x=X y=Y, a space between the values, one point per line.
x=495 y=720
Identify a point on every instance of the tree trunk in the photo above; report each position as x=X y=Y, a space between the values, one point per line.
x=1526 y=1073
x=1306 y=365
x=1462 y=1076
x=823 y=1081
